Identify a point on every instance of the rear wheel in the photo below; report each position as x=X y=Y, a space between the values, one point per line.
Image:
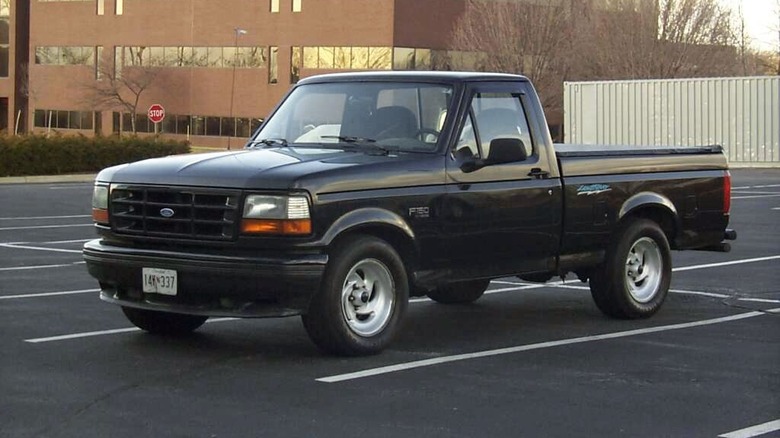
x=362 y=300
x=634 y=280
x=459 y=293
x=163 y=323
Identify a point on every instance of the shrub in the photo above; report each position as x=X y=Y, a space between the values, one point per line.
x=59 y=154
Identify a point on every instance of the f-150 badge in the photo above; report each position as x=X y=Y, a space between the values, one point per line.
x=419 y=212
x=593 y=189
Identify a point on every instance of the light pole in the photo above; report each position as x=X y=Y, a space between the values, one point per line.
x=238 y=32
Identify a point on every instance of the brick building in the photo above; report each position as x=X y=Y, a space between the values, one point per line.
x=217 y=67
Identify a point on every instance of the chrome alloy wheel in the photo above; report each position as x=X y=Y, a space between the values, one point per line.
x=367 y=297
x=644 y=267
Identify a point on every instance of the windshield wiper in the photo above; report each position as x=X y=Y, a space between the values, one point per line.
x=268 y=142
x=359 y=143
x=350 y=138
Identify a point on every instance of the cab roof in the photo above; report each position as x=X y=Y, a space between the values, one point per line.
x=412 y=76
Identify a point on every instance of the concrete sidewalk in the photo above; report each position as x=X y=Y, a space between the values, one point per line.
x=40 y=179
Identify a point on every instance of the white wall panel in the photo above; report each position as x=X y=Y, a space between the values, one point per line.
x=741 y=114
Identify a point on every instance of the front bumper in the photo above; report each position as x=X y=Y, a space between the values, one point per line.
x=208 y=284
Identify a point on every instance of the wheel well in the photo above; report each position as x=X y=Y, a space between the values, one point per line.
x=660 y=215
x=397 y=238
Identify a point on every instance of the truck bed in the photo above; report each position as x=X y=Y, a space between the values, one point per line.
x=589 y=150
x=582 y=160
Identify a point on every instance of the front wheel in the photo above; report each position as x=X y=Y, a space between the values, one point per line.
x=362 y=299
x=634 y=280
x=163 y=323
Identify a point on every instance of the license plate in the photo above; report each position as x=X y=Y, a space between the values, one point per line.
x=159 y=281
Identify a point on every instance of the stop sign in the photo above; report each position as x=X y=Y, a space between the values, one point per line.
x=156 y=113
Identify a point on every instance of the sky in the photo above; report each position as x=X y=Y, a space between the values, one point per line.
x=761 y=21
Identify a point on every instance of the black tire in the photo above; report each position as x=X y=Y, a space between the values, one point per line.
x=634 y=279
x=362 y=300
x=459 y=293
x=164 y=323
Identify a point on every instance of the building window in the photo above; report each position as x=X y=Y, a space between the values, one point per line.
x=63 y=119
x=119 y=7
x=296 y=5
x=98 y=62
x=274 y=6
x=215 y=126
x=5 y=36
x=67 y=55
x=273 y=65
x=296 y=63
x=180 y=56
x=101 y=7
x=348 y=58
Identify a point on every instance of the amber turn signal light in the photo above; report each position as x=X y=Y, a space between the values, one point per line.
x=100 y=215
x=297 y=227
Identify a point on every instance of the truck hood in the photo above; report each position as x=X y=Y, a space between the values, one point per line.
x=276 y=169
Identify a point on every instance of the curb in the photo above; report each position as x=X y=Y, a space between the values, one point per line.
x=48 y=179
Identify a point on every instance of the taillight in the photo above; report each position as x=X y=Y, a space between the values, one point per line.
x=727 y=193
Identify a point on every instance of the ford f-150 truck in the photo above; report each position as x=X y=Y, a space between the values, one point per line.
x=363 y=189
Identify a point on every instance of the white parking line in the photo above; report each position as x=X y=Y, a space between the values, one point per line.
x=511 y=350
x=49 y=242
x=745 y=192
x=55 y=242
x=38 y=248
x=25 y=268
x=43 y=217
x=753 y=431
x=82 y=335
x=105 y=332
x=75 y=186
x=754 y=197
x=690 y=292
x=764 y=186
x=45 y=226
x=49 y=294
x=733 y=262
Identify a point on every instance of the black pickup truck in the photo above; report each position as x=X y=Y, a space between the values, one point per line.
x=363 y=189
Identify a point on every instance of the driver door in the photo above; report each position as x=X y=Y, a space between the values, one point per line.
x=503 y=218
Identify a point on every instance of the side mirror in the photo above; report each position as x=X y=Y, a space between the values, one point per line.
x=506 y=150
x=502 y=150
x=472 y=165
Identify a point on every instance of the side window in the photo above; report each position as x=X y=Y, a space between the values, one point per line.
x=500 y=115
x=467 y=141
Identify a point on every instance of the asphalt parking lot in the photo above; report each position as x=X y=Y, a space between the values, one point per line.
x=525 y=360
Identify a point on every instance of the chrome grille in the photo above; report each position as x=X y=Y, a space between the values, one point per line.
x=174 y=212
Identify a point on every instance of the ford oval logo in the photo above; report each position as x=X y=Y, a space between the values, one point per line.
x=167 y=212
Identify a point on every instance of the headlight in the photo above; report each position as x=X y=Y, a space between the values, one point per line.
x=100 y=204
x=265 y=214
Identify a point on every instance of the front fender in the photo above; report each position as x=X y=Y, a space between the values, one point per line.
x=367 y=217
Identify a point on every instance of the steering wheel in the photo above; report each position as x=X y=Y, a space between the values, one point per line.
x=422 y=132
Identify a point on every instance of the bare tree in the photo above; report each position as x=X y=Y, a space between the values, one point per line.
x=116 y=88
x=777 y=29
x=642 y=39
x=743 y=40
x=526 y=37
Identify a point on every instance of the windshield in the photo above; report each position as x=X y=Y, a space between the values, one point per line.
x=394 y=116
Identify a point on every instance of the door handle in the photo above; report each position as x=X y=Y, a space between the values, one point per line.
x=538 y=173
